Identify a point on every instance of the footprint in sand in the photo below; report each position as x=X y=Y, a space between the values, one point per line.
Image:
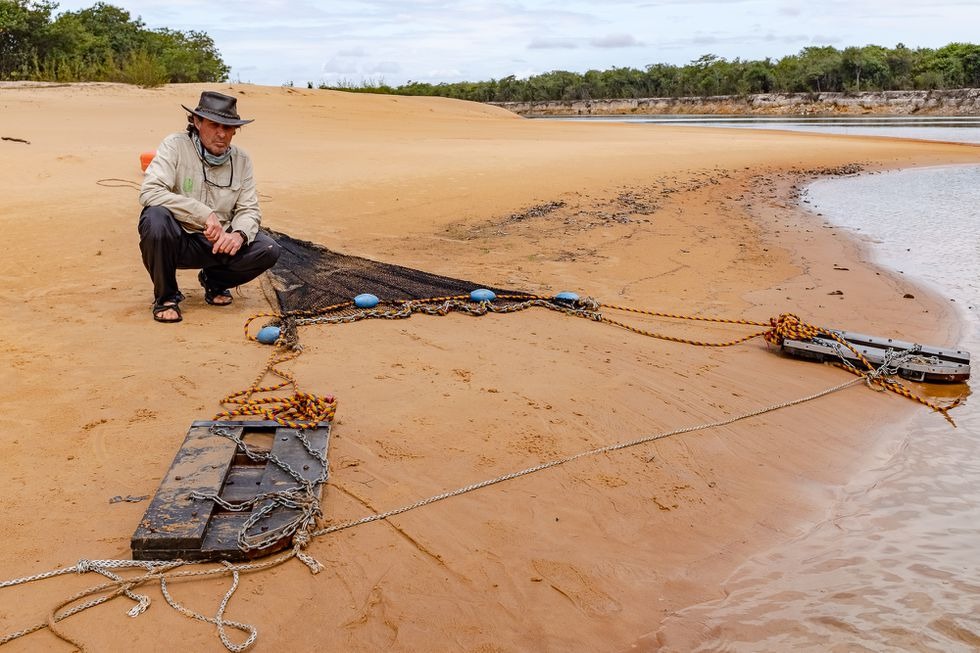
x=577 y=587
x=143 y=415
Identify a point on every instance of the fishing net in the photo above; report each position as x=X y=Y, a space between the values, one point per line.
x=308 y=277
x=314 y=285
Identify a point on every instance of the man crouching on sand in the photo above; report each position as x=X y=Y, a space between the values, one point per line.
x=201 y=210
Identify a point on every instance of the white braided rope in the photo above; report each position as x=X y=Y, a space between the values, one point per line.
x=160 y=570
x=157 y=569
x=83 y=566
x=47 y=574
x=218 y=619
x=581 y=454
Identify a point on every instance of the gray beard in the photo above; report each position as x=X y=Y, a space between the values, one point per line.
x=214 y=160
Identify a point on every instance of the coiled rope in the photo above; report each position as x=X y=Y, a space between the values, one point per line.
x=298 y=410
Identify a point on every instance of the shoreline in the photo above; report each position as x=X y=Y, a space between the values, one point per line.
x=430 y=404
x=867 y=245
x=896 y=489
x=948 y=102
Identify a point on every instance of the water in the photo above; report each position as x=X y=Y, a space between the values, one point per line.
x=959 y=129
x=896 y=565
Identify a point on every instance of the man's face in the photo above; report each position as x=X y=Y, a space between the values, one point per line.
x=215 y=137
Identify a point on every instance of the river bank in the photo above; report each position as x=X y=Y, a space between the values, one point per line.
x=892 y=566
x=590 y=555
x=955 y=102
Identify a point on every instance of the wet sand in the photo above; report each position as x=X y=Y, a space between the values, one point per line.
x=588 y=556
x=892 y=566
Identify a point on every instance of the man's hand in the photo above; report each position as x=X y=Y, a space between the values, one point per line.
x=224 y=242
x=227 y=243
x=212 y=228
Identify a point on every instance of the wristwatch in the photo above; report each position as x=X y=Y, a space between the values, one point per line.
x=244 y=237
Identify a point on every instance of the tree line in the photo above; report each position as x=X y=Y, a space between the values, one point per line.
x=101 y=43
x=813 y=70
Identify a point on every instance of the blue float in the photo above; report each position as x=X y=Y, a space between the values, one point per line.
x=268 y=335
x=482 y=295
x=567 y=296
x=366 y=300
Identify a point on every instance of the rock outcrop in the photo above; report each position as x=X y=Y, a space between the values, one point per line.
x=961 y=102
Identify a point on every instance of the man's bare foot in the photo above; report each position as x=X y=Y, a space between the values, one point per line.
x=221 y=299
x=167 y=312
x=212 y=295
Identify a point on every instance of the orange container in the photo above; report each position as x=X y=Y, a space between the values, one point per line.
x=145 y=159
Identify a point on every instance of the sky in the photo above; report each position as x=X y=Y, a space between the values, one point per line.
x=276 y=42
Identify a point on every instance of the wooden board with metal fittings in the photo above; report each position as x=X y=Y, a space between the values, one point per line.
x=930 y=364
x=176 y=526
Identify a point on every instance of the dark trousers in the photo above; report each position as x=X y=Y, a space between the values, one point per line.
x=166 y=247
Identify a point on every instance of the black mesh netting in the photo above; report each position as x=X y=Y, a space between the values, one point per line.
x=309 y=276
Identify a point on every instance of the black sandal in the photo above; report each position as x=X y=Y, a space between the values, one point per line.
x=210 y=293
x=160 y=309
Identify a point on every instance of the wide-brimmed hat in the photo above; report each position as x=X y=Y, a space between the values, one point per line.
x=219 y=108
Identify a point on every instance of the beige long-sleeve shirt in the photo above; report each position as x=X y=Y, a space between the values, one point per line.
x=175 y=179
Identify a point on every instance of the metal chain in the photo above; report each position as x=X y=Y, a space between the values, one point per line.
x=303 y=537
x=788 y=325
x=587 y=307
x=302 y=498
x=406 y=309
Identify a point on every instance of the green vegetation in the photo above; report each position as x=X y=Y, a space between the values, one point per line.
x=101 y=43
x=813 y=70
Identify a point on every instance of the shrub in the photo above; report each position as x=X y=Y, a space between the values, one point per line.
x=143 y=70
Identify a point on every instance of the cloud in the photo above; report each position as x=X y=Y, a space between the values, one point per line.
x=337 y=66
x=615 y=41
x=825 y=40
x=451 y=73
x=348 y=70
x=688 y=3
x=385 y=67
x=538 y=43
x=524 y=73
x=274 y=40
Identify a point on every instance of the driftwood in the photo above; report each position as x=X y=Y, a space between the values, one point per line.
x=15 y=140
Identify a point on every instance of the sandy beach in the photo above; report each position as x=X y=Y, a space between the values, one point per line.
x=588 y=556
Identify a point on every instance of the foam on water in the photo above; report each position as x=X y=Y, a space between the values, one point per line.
x=896 y=565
